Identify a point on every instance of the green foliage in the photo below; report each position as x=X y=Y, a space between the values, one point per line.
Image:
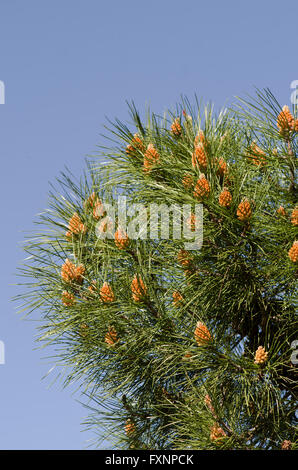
x=153 y=386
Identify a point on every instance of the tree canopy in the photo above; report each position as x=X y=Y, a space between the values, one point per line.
x=178 y=348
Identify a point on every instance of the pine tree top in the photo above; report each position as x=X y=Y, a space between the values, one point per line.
x=183 y=348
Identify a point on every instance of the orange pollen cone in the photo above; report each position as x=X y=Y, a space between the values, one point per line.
x=138 y=289
x=106 y=293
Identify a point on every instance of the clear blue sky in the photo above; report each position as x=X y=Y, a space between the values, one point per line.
x=66 y=65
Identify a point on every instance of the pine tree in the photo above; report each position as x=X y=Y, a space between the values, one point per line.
x=178 y=348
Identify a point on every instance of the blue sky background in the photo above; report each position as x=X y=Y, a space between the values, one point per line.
x=66 y=65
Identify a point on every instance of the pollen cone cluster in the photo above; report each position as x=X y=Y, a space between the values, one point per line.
x=202 y=188
x=98 y=210
x=200 y=138
x=281 y=211
x=135 y=144
x=244 y=211
x=261 y=355
x=208 y=403
x=72 y=273
x=129 y=427
x=90 y=201
x=138 y=289
x=177 y=298
x=111 y=337
x=151 y=158
x=225 y=198
x=257 y=155
x=184 y=258
x=293 y=252
x=199 y=158
x=286 y=121
x=121 y=239
x=176 y=127
x=92 y=288
x=94 y=204
x=217 y=433
x=286 y=445
x=294 y=217
x=67 y=298
x=106 y=293
x=75 y=226
x=187 y=181
x=202 y=334
x=222 y=167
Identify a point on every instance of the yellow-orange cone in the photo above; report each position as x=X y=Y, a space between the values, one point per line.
x=90 y=201
x=199 y=157
x=67 y=298
x=208 y=403
x=138 y=289
x=177 y=298
x=285 y=120
x=286 y=445
x=106 y=293
x=281 y=211
x=176 y=127
x=202 y=188
x=217 y=433
x=293 y=252
x=70 y=272
x=136 y=144
x=121 y=239
x=222 y=167
x=188 y=181
x=75 y=226
x=98 y=209
x=257 y=155
x=202 y=334
x=294 y=217
x=261 y=355
x=225 y=198
x=184 y=258
x=151 y=158
x=244 y=211
x=130 y=427
x=111 y=337
x=200 y=138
